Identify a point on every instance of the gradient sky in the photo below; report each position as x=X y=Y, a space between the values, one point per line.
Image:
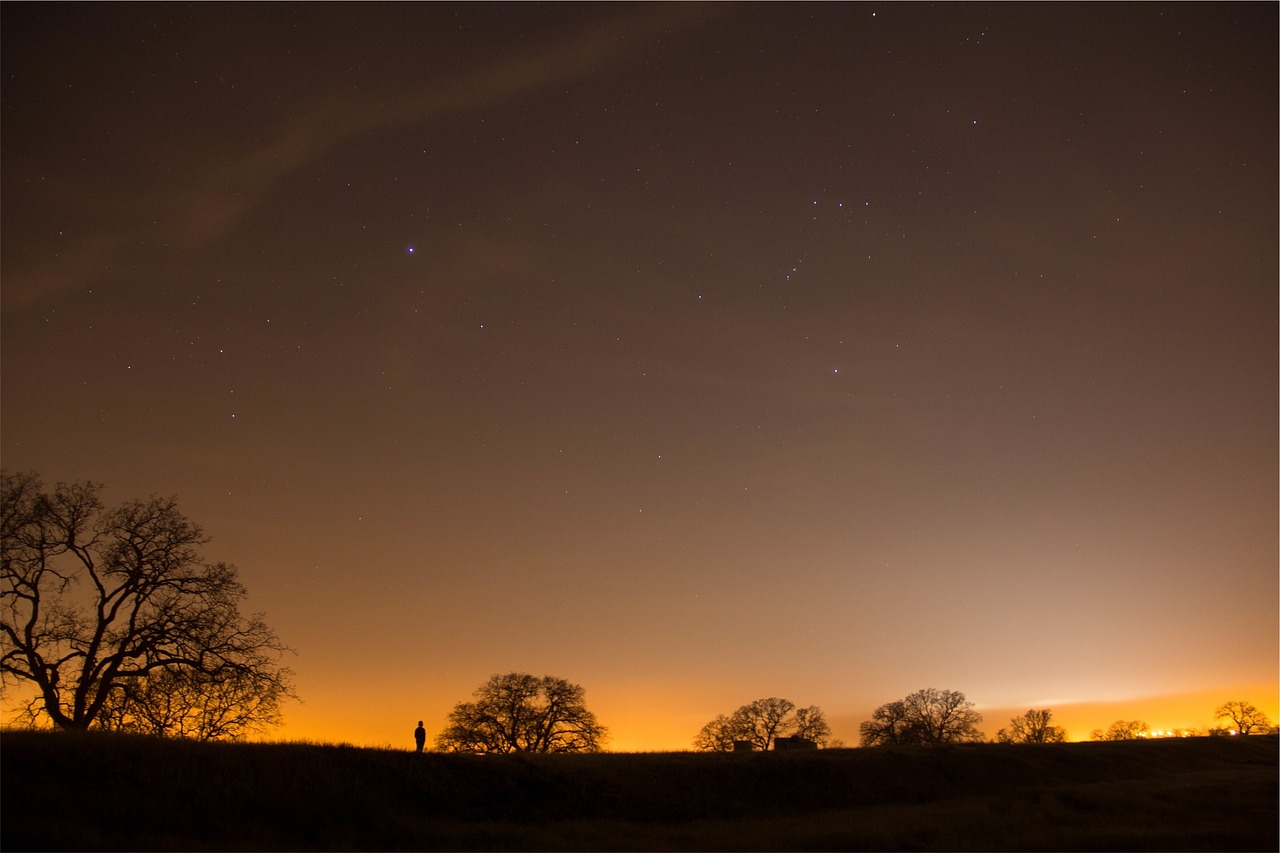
x=695 y=354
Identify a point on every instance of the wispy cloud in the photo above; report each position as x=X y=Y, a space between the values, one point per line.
x=216 y=197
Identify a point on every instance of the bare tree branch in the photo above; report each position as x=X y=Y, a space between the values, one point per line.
x=1032 y=727
x=1244 y=717
x=93 y=601
x=761 y=723
x=928 y=717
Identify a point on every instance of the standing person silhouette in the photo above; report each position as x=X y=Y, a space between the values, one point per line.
x=420 y=736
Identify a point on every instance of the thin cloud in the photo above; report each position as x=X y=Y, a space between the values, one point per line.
x=218 y=197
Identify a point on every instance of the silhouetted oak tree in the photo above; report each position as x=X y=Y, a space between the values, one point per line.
x=761 y=723
x=518 y=712
x=112 y=611
x=928 y=717
x=1032 y=727
x=1122 y=730
x=1243 y=717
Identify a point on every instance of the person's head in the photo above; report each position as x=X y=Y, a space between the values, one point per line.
x=419 y=722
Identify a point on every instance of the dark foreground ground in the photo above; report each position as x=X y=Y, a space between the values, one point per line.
x=102 y=792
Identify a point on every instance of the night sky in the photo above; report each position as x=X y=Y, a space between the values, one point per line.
x=695 y=354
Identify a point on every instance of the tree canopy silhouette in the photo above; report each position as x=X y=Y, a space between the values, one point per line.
x=761 y=723
x=1122 y=730
x=1032 y=727
x=518 y=712
x=116 y=621
x=928 y=717
x=1243 y=716
x=183 y=702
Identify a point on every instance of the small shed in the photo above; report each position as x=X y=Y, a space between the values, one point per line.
x=785 y=743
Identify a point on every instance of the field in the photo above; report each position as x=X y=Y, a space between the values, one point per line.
x=102 y=792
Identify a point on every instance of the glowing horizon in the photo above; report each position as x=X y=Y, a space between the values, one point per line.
x=662 y=728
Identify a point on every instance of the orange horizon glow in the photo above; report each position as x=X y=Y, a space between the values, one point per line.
x=661 y=729
x=669 y=728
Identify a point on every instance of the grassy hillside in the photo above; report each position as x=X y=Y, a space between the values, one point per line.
x=65 y=791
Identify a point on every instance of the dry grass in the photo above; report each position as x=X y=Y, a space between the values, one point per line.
x=101 y=792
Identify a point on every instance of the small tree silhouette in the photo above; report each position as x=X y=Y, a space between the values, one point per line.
x=1032 y=727
x=761 y=723
x=518 y=712
x=928 y=717
x=1243 y=716
x=1122 y=730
